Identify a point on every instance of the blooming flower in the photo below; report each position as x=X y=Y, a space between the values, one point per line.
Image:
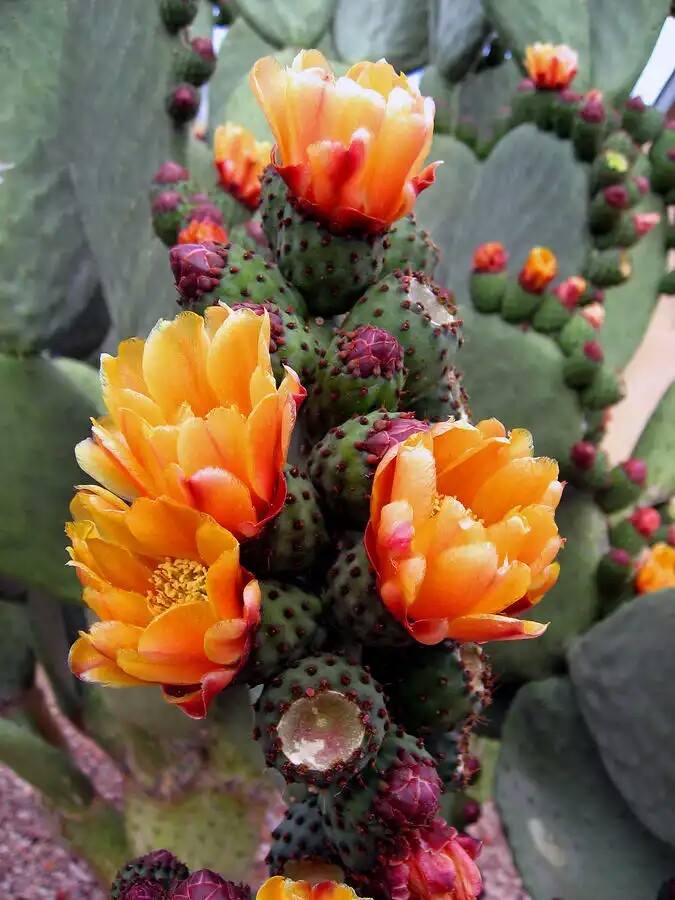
x=434 y=863
x=195 y=415
x=280 y=888
x=657 y=569
x=198 y=231
x=240 y=161
x=539 y=269
x=462 y=532
x=490 y=257
x=175 y=607
x=350 y=149
x=551 y=67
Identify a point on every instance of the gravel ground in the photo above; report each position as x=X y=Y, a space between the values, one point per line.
x=34 y=864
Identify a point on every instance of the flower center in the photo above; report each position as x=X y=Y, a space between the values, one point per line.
x=176 y=581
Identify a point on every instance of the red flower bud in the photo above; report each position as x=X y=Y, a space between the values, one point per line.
x=636 y=103
x=145 y=889
x=570 y=291
x=410 y=794
x=644 y=222
x=205 y=211
x=166 y=201
x=646 y=520
x=642 y=184
x=636 y=470
x=569 y=96
x=617 y=196
x=197 y=269
x=471 y=812
x=490 y=257
x=593 y=351
x=593 y=109
x=207 y=885
x=170 y=173
x=583 y=454
x=204 y=48
x=620 y=557
x=182 y=104
x=371 y=351
x=387 y=433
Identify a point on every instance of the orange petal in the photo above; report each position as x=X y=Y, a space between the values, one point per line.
x=482 y=628
x=189 y=671
x=224 y=497
x=233 y=358
x=118 y=566
x=111 y=603
x=105 y=469
x=455 y=581
x=109 y=637
x=88 y=664
x=519 y=483
x=165 y=528
x=177 y=634
x=415 y=476
x=223 y=585
x=212 y=540
x=224 y=642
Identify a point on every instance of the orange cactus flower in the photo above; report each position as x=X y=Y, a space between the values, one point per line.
x=490 y=258
x=539 y=270
x=462 y=533
x=657 y=570
x=551 y=67
x=240 y=161
x=350 y=149
x=197 y=232
x=175 y=607
x=280 y=888
x=195 y=415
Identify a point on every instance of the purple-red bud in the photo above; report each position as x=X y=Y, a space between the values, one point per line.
x=645 y=221
x=645 y=520
x=620 y=557
x=182 y=104
x=144 y=889
x=197 y=268
x=569 y=96
x=205 y=211
x=371 y=351
x=617 y=196
x=165 y=202
x=583 y=454
x=471 y=767
x=389 y=432
x=636 y=103
x=207 y=885
x=410 y=794
x=636 y=470
x=593 y=351
x=642 y=184
x=170 y=173
x=593 y=109
x=204 y=47
x=471 y=812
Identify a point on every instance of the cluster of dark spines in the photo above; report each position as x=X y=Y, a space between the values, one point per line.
x=342 y=464
x=300 y=837
x=194 y=60
x=307 y=680
x=352 y=601
x=295 y=540
x=289 y=625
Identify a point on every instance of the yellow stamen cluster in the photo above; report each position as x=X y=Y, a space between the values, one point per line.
x=176 y=581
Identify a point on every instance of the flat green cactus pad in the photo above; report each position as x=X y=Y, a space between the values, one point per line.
x=571 y=833
x=44 y=410
x=571 y=606
x=656 y=444
x=457 y=28
x=16 y=652
x=371 y=29
x=623 y=673
x=297 y=24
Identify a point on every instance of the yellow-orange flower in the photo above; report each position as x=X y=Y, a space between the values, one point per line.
x=195 y=415
x=240 y=161
x=657 y=570
x=280 y=888
x=462 y=532
x=350 y=149
x=198 y=231
x=175 y=607
x=539 y=270
x=550 y=66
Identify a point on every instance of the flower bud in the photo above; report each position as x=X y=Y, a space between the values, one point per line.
x=197 y=269
x=593 y=108
x=170 y=173
x=593 y=351
x=644 y=222
x=387 y=433
x=182 y=103
x=371 y=351
x=617 y=196
x=570 y=291
x=410 y=794
x=646 y=520
x=166 y=202
x=636 y=470
x=207 y=885
x=583 y=454
x=490 y=257
x=539 y=270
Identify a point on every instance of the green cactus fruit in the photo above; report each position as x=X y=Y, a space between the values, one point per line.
x=609 y=167
x=448 y=749
x=351 y=598
x=295 y=539
x=588 y=469
x=589 y=126
x=288 y=627
x=642 y=122
x=322 y=720
x=605 y=389
x=487 y=290
x=176 y=14
x=167 y=215
x=291 y=341
x=160 y=867
x=624 y=536
x=250 y=278
x=606 y=268
x=620 y=141
x=329 y=270
x=564 y=112
x=399 y=791
x=342 y=464
x=551 y=316
x=195 y=62
x=627 y=231
x=422 y=317
x=626 y=483
x=442 y=688
x=409 y=248
x=615 y=572
x=519 y=305
x=362 y=370
x=299 y=838
x=580 y=367
x=273 y=198
x=575 y=333
x=662 y=159
x=606 y=207
x=445 y=401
